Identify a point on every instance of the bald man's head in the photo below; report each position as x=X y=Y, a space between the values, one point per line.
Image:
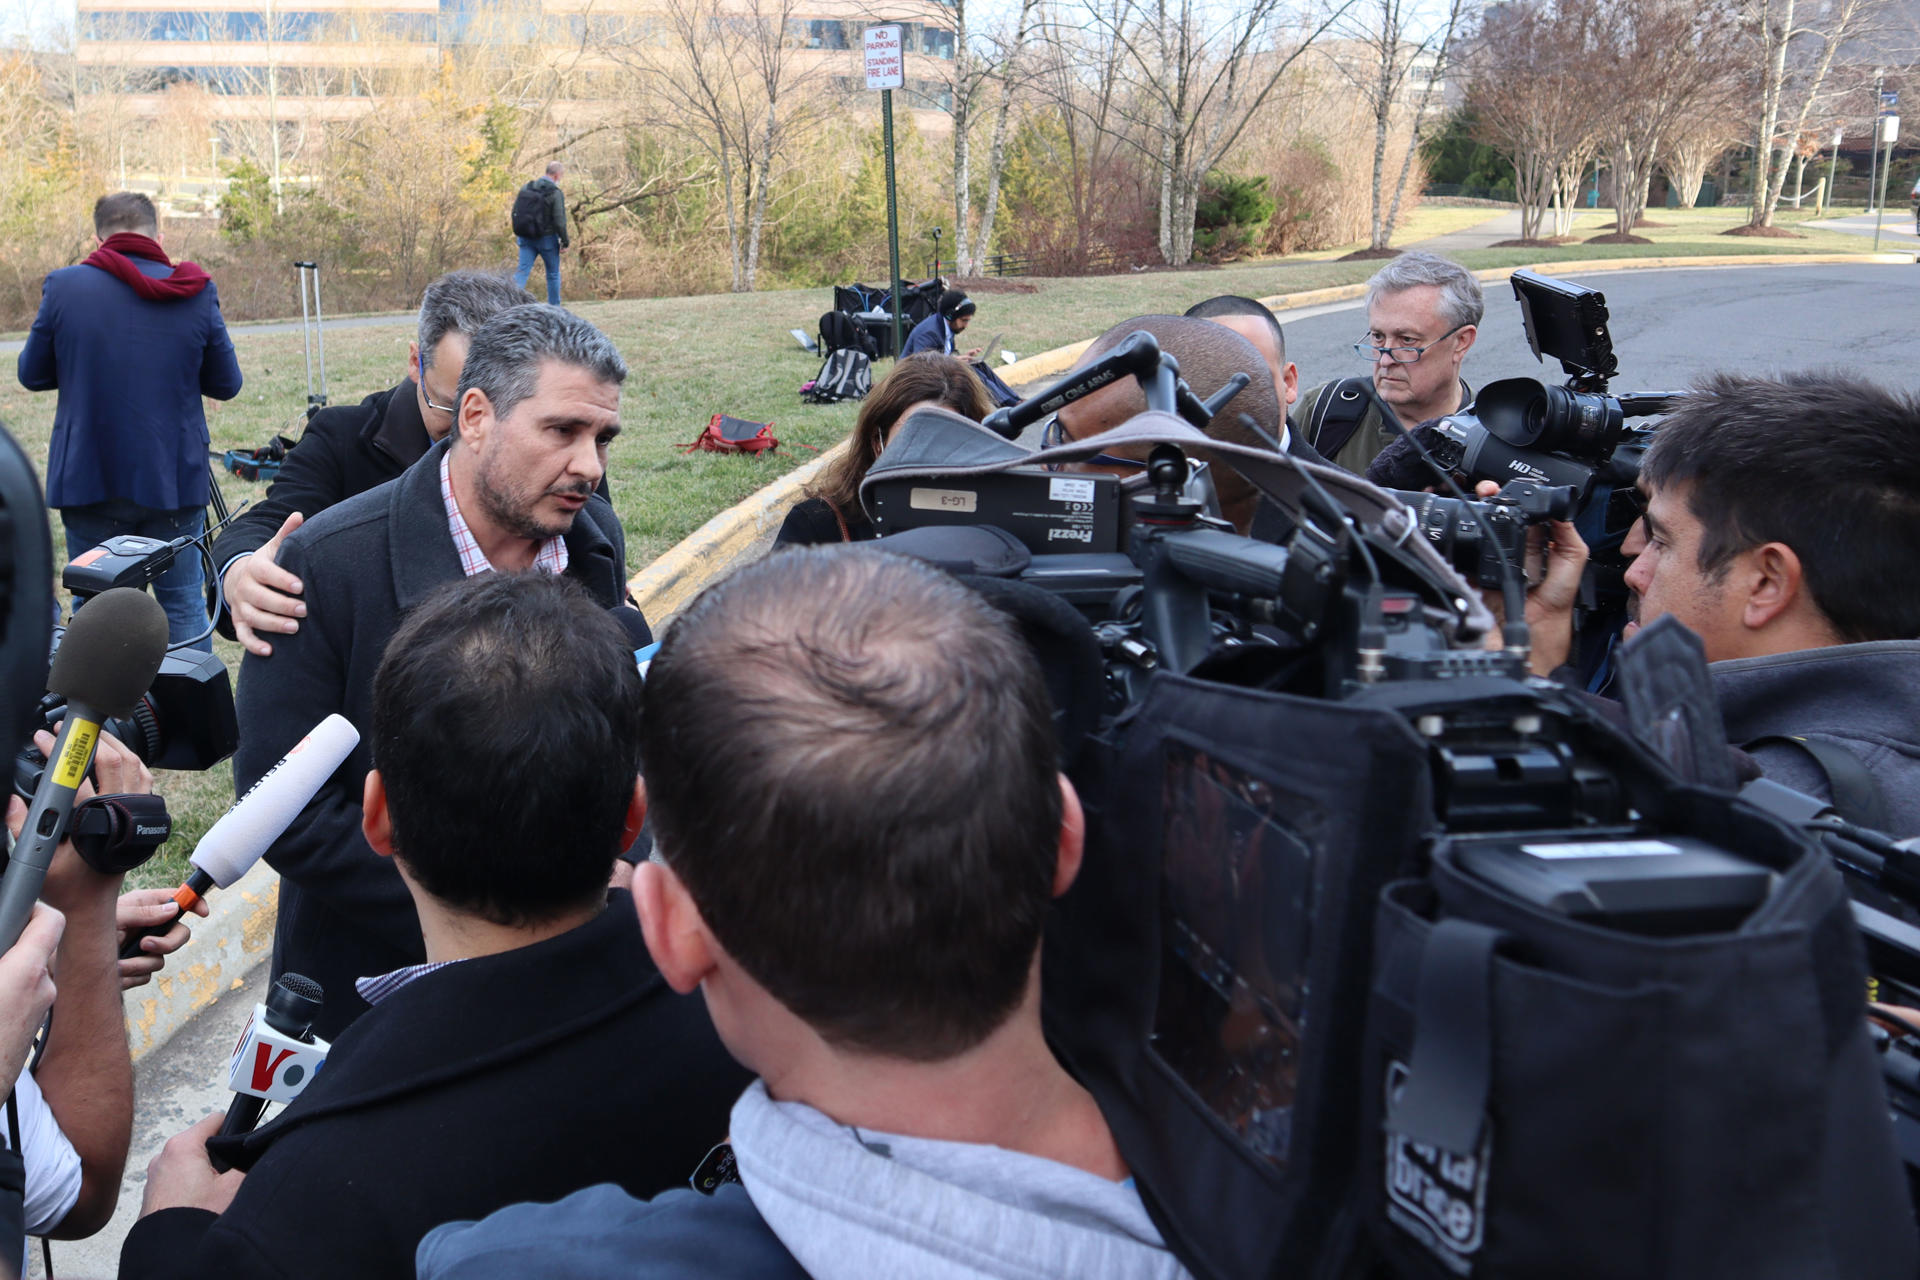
x=1209 y=355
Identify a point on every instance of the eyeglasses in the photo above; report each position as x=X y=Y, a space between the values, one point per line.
x=1401 y=355
x=427 y=396
x=1054 y=434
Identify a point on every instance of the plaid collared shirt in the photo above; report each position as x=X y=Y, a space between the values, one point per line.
x=375 y=989
x=550 y=558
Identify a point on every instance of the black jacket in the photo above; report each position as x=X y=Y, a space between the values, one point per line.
x=343 y=911
x=811 y=522
x=347 y=449
x=1271 y=523
x=521 y=1076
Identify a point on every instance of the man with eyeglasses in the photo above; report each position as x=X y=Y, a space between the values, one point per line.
x=1423 y=314
x=348 y=449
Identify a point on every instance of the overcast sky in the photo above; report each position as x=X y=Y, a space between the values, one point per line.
x=35 y=18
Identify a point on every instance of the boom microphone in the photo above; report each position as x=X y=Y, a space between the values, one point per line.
x=233 y=844
x=110 y=655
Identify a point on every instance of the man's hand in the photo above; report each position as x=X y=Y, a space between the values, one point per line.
x=181 y=1176
x=149 y=909
x=26 y=988
x=263 y=598
x=972 y=355
x=1550 y=601
x=119 y=772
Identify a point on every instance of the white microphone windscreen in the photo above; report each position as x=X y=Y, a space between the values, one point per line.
x=233 y=844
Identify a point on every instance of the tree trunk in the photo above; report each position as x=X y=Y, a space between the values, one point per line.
x=962 y=159
x=1167 y=201
x=1631 y=174
x=997 y=152
x=1382 y=108
x=1766 y=184
x=736 y=251
x=757 y=220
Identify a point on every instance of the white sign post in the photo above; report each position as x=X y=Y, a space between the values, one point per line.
x=1889 y=134
x=886 y=53
x=886 y=57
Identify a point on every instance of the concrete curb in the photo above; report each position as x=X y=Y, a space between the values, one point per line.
x=740 y=530
x=236 y=935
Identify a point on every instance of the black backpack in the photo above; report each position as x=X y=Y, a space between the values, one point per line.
x=531 y=212
x=846 y=374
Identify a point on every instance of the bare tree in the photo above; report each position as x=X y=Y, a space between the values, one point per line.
x=730 y=78
x=1665 y=59
x=1011 y=69
x=1199 y=73
x=1697 y=145
x=1397 y=51
x=1796 y=50
x=1531 y=71
x=1077 y=75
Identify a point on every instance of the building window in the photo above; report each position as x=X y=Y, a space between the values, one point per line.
x=936 y=43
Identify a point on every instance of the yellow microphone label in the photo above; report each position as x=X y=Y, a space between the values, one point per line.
x=72 y=767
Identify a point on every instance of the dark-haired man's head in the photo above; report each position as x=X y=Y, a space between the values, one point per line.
x=505 y=736
x=1252 y=320
x=1783 y=514
x=958 y=308
x=1209 y=355
x=125 y=211
x=851 y=778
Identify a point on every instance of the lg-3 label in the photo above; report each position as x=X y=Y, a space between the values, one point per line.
x=963 y=500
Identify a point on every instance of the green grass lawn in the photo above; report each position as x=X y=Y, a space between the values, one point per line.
x=693 y=357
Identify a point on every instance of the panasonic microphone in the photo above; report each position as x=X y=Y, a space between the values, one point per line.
x=111 y=652
x=233 y=844
x=277 y=1056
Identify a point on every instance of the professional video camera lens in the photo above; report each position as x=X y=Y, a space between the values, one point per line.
x=1525 y=413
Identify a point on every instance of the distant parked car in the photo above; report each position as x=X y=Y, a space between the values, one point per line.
x=1913 y=198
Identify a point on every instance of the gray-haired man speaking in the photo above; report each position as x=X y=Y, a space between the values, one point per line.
x=1423 y=313
x=512 y=489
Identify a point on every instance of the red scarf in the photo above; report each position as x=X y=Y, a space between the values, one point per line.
x=115 y=256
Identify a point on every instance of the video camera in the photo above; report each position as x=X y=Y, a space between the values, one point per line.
x=186 y=720
x=1385 y=953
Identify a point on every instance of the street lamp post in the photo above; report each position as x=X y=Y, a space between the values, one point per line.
x=1833 y=169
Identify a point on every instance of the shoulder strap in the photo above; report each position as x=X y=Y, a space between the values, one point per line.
x=1335 y=417
x=1855 y=792
x=840 y=519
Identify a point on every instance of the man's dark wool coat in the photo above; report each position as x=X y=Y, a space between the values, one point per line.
x=343 y=912
x=526 y=1075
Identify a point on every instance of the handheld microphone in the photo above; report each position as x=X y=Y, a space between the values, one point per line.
x=277 y=1056
x=233 y=844
x=111 y=653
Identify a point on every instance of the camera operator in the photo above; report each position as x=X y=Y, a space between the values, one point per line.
x=1423 y=313
x=1209 y=355
x=866 y=932
x=1782 y=526
x=348 y=449
x=76 y=1106
x=535 y=1051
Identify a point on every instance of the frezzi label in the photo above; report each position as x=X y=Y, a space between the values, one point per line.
x=1062 y=489
x=1435 y=1196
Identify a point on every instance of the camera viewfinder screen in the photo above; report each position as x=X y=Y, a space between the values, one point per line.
x=1237 y=910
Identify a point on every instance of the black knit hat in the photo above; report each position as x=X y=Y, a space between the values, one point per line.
x=954 y=304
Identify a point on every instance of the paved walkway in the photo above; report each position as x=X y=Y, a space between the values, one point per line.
x=1501 y=225
x=12 y=347
x=1895 y=229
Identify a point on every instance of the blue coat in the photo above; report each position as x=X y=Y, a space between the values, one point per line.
x=932 y=334
x=130 y=372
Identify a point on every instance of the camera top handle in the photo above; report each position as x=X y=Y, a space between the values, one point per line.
x=1139 y=357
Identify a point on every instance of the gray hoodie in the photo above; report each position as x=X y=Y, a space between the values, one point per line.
x=1863 y=697
x=867 y=1204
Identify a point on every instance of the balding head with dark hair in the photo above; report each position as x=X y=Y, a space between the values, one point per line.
x=1209 y=355
x=125 y=211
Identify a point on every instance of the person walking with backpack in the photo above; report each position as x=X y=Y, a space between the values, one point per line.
x=540 y=224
